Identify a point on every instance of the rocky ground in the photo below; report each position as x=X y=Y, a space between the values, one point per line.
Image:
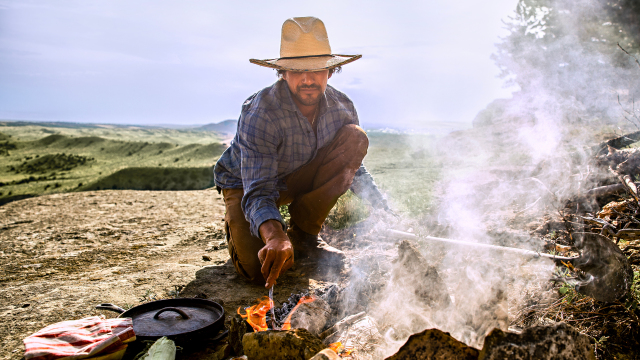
x=63 y=254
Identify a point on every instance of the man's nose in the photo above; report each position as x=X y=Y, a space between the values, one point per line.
x=307 y=79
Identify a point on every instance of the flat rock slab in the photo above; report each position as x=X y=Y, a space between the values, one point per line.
x=281 y=345
x=559 y=341
x=433 y=344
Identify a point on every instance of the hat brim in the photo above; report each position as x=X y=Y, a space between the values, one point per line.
x=307 y=64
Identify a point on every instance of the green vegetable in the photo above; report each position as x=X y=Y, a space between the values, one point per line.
x=162 y=349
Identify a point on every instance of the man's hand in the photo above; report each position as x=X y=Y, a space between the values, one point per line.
x=277 y=255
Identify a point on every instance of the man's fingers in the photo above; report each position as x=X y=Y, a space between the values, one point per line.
x=275 y=271
x=288 y=264
x=261 y=255
x=267 y=263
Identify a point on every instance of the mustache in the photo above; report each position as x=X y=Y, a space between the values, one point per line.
x=308 y=87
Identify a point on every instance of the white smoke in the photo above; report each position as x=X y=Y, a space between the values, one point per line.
x=524 y=158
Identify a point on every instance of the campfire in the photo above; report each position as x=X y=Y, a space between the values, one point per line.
x=256 y=315
x=262 y=317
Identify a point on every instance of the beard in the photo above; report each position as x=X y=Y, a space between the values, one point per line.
x=308 y=99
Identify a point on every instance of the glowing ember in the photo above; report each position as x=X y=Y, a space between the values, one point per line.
x=256 y=315
x=339 y=349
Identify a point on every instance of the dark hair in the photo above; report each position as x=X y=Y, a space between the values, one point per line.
x=335 y=70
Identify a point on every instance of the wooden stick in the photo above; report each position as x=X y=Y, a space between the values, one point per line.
x=630 y=186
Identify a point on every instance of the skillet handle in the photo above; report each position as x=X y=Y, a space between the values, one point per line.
x=182 y=313
x=110 y=307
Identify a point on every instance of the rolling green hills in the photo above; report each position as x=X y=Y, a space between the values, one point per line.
x=58 y=162
x=46 y=158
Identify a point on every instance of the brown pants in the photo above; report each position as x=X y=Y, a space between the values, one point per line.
x=312 y=191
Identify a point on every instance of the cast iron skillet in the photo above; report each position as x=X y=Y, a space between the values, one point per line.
x=182 y=320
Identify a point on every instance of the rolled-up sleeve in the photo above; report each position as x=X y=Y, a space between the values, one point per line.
x=258 y=141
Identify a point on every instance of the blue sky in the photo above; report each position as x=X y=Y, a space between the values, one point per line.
x=187 y=62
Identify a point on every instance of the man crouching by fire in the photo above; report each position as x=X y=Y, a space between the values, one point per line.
x=298 y=142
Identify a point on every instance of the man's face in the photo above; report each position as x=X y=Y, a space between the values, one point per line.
x=307 y=87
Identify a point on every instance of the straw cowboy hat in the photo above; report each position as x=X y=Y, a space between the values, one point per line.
x=304 y=46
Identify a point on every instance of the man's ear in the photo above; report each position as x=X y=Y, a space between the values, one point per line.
x=330 y=74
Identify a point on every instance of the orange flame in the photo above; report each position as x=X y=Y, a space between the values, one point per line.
x=256 y=315
x=339 y=349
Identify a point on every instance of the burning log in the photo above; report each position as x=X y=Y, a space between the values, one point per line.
x=281 y=345
x=356 y=335
x=312 y=316
x=434 y=344
x=342 y=324
x=256 y=315
x=559 y=341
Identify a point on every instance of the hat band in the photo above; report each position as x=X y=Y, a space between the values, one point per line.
x=302 y=57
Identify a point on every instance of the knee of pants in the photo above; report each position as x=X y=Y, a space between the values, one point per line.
x=357 y=137
x=250 y=270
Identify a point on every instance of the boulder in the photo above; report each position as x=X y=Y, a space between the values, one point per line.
x=433 y=344
x=281 y=345
x=558 y=341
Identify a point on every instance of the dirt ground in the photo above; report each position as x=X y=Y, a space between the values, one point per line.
x=61 y=255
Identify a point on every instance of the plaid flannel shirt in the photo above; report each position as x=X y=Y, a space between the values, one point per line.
x=273 y=140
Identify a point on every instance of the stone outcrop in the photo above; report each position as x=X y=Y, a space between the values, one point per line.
x=434 y=344
x=559 y=341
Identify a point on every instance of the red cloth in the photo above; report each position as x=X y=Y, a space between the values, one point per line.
x=79 y=339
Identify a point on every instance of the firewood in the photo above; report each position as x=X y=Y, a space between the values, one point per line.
x=340 y=325
x=630 y=186
x=602 y=191
x=619 y=142
x=281 y=345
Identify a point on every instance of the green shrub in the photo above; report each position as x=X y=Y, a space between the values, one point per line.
x=348 y=211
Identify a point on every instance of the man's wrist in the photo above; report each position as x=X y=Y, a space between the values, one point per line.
x=272 y=230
